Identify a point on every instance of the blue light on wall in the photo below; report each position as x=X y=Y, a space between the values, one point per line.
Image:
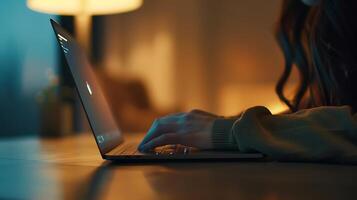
x=27 y=55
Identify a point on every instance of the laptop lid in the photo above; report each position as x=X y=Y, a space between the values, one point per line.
x=104 y=128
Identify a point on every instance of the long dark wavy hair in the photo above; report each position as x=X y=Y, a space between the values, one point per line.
x=321 y=42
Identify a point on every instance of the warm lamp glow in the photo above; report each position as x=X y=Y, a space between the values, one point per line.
x=83 y=10
x=92 y=7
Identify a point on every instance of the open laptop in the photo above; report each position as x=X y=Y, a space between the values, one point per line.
x=106 y=132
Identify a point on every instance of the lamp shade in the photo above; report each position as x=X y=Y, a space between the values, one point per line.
x=91 y=7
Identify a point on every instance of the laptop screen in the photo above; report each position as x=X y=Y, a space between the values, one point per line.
x=105 y=130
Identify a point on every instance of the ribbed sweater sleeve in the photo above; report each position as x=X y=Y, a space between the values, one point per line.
x=317 y=134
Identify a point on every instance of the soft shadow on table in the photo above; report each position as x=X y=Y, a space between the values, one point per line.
x=252 y=180
x=95 y=186
x=209 y=180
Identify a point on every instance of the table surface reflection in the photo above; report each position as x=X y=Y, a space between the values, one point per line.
x=71 y=168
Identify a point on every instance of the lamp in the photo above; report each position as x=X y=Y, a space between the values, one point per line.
x=83 y=10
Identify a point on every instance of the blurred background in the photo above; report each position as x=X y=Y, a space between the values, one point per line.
x=160 y=57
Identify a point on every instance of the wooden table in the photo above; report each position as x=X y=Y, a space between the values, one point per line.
x=71 y=168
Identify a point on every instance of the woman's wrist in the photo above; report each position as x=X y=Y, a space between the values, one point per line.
x=221 y=134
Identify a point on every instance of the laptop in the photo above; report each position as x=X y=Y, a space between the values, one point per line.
x=106 y=132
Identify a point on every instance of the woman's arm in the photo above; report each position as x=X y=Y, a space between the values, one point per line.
x=317 y=134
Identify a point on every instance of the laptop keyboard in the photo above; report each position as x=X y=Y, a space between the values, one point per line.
x=173 y=150
x=131 y=149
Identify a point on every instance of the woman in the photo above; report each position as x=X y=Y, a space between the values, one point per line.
x=318 y=37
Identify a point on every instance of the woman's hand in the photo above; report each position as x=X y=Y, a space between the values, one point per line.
x=191 y=129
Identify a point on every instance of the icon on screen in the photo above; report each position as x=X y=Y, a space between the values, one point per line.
x=100 y=139
x=63 y=40
x=89 y=88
